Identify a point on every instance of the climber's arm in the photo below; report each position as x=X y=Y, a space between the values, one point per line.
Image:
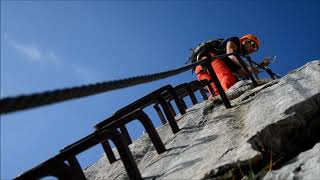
x=232 y=47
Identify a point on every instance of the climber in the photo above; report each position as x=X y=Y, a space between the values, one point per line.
x=229 y=68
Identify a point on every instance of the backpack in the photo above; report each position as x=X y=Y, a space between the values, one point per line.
x=204 y=48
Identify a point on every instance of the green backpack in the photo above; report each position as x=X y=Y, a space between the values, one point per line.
x=203 y=48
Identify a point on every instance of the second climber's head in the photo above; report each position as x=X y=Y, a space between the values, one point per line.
x=250 y=43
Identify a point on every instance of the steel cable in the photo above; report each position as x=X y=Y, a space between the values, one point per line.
x=22 y=102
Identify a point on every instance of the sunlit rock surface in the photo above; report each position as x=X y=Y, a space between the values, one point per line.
x=265 y=130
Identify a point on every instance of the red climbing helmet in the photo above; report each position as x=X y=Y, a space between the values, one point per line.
x=250 y=37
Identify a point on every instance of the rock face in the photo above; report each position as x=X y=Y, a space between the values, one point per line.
x=262 y=135
x=304 y=166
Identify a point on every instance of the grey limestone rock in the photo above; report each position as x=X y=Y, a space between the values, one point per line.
x=281 y=117
x=305 y=166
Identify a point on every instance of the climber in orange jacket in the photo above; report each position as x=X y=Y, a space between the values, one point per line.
x=227 y=69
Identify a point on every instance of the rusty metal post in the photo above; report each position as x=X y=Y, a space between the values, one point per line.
x=203 y=93
x=125 y=134
x=191 y=94
x=244 y=66
x=151 y=131
x=184 y=103
x=207 y=83
x=200 y=86
x=171 y=108
x=77 y=172
x=51 y=167
x=126 y=156
x=107 y=149
x=216 y=82
x=179 y=102
x=160 y=114
x=171 y=120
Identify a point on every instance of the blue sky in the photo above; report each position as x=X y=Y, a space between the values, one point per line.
x=48 y=45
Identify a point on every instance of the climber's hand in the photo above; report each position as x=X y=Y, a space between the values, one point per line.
x=265 y=61
x=254 y=70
